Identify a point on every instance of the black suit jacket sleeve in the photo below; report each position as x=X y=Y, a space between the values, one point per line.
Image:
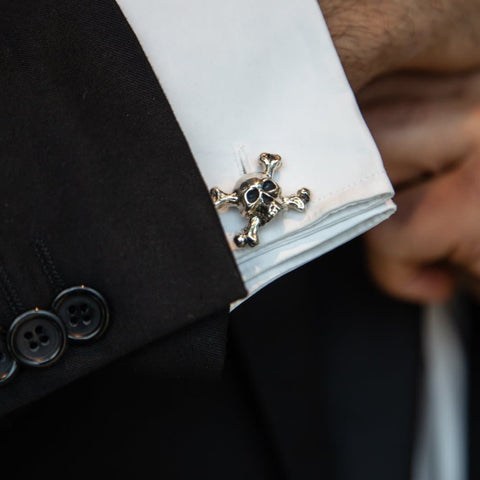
x=95 y=168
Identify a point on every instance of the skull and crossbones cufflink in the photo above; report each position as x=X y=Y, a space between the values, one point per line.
x=259 y=199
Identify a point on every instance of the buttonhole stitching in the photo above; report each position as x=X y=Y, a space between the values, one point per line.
x=9 y=293
x=48 y=265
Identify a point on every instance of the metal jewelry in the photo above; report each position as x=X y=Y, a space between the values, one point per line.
x=259 y=199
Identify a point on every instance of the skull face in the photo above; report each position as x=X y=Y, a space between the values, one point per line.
x=259 y=196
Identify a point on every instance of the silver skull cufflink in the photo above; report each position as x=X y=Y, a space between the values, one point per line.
x=259 y=199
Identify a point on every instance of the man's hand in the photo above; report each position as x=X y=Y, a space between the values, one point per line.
x=428 y=131
x=374 y=38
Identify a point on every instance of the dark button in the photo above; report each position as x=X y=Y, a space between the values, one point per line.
x=8 y=365
x=83 y=311
x=37 y=338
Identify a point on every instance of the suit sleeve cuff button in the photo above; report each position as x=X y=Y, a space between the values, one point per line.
x=8 y=365
x=83 y=311
x=37 y=338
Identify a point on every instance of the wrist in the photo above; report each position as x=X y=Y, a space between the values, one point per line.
x=370 y=39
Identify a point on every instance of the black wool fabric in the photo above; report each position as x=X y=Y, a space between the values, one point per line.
x=473 y=348
x=94 y=165
x=335 y=364
x=321 y=382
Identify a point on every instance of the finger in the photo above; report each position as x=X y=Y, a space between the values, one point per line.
x=426 y=225
x=436 y=223
x=419 y=138
x=419 y=86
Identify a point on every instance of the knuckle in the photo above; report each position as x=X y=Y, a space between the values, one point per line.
x=470 y=183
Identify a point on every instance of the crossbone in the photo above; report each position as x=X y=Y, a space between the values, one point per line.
x=259 y=199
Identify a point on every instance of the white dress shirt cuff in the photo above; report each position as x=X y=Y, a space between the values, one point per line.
x=263 y=76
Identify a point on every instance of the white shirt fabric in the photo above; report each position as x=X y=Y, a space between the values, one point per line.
x=252 y=76
x=246 y=77
x=441 y=443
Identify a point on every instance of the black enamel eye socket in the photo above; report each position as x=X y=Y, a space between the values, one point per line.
x=252 y=195
x=268 y=185
x=267 y=199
